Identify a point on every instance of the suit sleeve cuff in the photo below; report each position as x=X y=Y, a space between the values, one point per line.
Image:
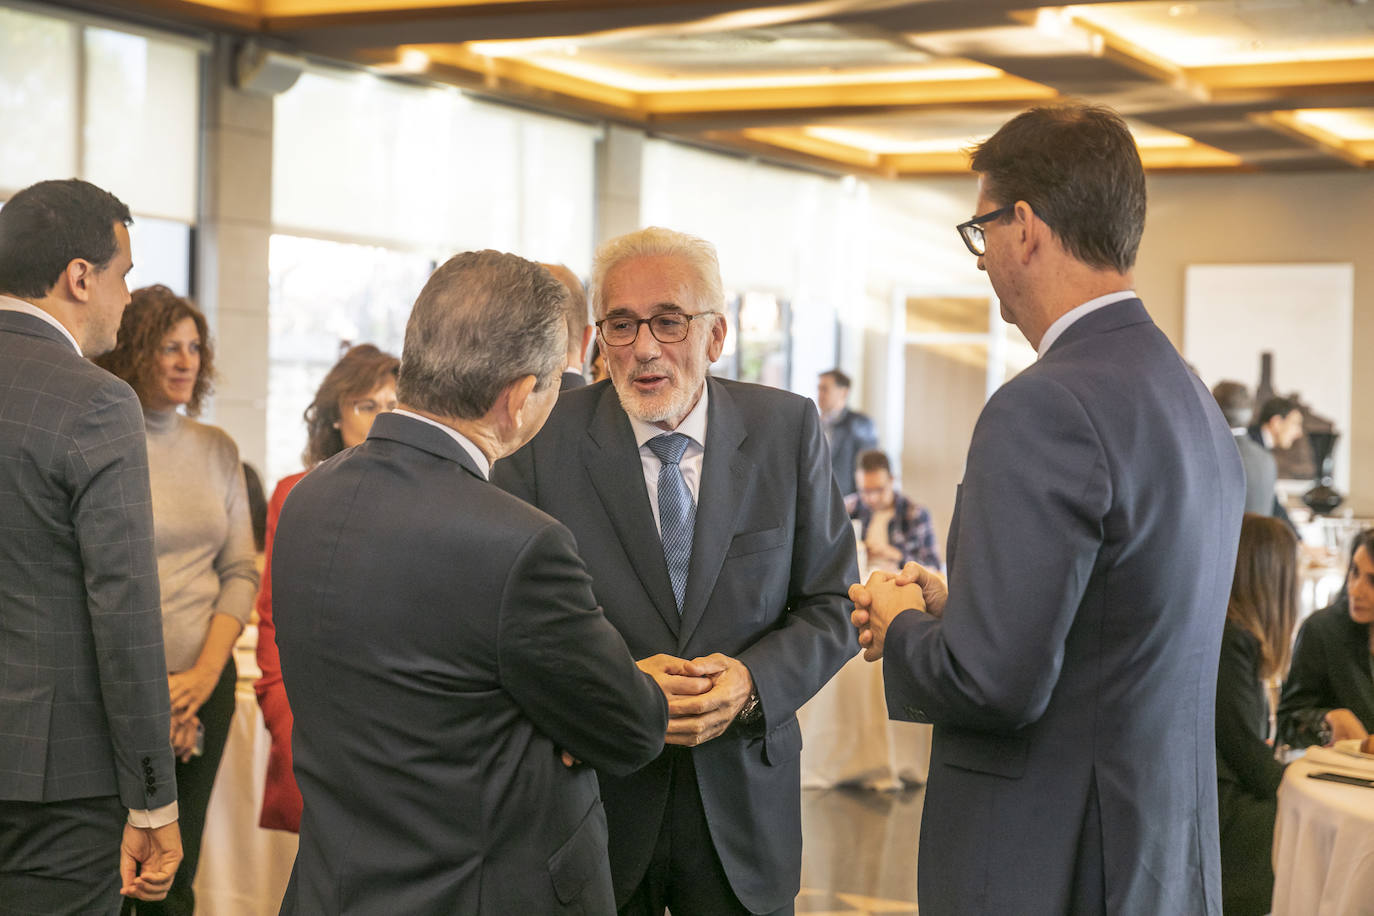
x=157 y=817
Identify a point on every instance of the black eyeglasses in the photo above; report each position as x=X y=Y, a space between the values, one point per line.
x=667 y=327
x=972 y=231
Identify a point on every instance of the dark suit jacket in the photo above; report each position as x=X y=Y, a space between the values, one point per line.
x=83 y=682
x=1072 y=679
x=440 y=644
x=852 y=433
x=772 y=554
x=570 y=379
x=1330 y=670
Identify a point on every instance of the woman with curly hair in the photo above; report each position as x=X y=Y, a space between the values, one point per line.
x=361 y=385
x=205 y=553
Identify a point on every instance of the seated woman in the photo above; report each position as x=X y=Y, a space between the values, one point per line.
x=361 y=385
x=205 y=555
x=1254 y=650
x=1329 y=694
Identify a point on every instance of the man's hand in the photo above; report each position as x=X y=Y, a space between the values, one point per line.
x=1344 y=724
x=148 y=860
x=677 y=677
x=932 y=585
x=694 y=720
x=876 y=604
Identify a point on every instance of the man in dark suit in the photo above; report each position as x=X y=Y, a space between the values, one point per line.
x=439 y=640
x=84 y=717
x=848 y=431
x=579 y=329
x=1070 y=669
x=719 y=547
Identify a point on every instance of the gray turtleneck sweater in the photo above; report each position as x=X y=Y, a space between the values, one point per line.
x=201 y=528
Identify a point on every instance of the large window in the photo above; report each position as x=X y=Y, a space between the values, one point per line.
x=374 y=183
x=115 y=108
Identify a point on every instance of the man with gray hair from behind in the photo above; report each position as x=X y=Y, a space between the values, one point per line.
x=446 y=661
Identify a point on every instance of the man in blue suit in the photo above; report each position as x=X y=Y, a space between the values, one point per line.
x=1070 y=667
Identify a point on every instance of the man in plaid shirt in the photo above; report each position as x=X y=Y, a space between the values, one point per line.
x=903 y=533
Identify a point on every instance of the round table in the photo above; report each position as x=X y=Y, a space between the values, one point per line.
x=1323 y=843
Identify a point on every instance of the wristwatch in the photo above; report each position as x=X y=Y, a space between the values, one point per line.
x=752 y=712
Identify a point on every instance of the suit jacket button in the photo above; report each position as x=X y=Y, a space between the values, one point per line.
x=147 y=760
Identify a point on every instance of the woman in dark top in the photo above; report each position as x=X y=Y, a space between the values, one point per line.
x=1254 y=650
x=1329 y=694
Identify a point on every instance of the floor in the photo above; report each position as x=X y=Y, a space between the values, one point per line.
x=859 y=852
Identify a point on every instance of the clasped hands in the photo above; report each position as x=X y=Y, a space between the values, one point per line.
x=886 y=595
x=704 y=694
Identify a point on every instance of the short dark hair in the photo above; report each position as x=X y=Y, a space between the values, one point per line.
x=874 y=460
x=484 y=320
x=1276 y=407
x=361 y=370
x=151 y=313
x=1078 y=168
x=1234 y=400
x=839 y=378
x=48 y=225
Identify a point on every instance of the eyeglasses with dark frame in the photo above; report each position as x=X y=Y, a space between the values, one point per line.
x=667 y=327
x=972 y=231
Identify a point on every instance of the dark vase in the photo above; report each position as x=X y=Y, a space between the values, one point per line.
x=1322 y=499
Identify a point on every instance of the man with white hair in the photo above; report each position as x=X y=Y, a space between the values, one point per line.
x=718 y=547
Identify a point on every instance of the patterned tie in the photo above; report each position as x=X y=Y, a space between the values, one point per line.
x=676 y=511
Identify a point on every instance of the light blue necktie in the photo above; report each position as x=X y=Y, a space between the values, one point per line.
x=676 y=511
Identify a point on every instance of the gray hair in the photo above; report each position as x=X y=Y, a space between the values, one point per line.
x=484 y=320
x=698 y=254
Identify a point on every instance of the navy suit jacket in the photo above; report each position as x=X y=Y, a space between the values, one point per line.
x=440 y=645
x=1072 y=678
x=83 y=682
x=772 y=555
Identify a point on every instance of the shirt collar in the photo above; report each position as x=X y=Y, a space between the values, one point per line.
x=10 y=304
x=1062 y=323
x=693 y=426
x=483 y=465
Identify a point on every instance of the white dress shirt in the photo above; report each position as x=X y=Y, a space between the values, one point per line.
x=1062 y=323
x=693 y=427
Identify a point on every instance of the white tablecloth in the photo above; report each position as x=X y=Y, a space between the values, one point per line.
x=1323 y=845
x=848 y=739
x=243 y=868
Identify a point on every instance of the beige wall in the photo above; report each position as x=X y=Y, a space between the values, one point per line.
x=1259 y=219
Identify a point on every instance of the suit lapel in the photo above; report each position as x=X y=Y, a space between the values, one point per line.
x=727 y=475
x=613 y=465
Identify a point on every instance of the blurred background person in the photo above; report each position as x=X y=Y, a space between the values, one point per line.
x=894 y=529
x=1278 y=425
x=598 y=370
x=579 y=325
x=361 y=385
x=1255 y=644
x=1261 y=471
x=204 y=542
x=257 y=510
x=1329 y=693
x=848 y=431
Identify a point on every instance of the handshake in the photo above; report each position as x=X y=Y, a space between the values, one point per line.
x=886 y=595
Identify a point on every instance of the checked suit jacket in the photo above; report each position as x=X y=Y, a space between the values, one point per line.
x=83 y=682
x=772 y=556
